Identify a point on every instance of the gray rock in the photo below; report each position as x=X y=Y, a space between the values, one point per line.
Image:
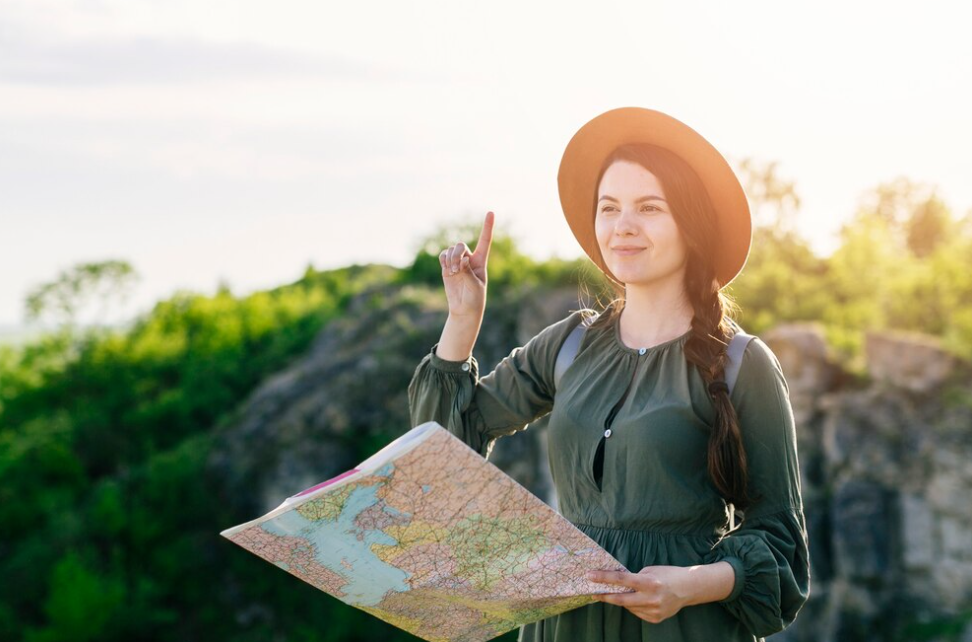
x=917 y=532
x=911 y=361
x=862 y=527
x=806 y=360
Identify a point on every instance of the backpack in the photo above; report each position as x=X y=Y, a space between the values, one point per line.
x=735 y=350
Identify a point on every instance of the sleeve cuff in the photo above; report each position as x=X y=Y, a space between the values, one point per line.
x=466 y=366
x=740 y=573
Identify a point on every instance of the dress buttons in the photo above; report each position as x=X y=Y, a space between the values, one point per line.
x=465 y=367
x=607 y=433
x=642 y=350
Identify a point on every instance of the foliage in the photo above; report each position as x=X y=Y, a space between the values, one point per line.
x=63 y=298
x=903 y=263
x=106 y=522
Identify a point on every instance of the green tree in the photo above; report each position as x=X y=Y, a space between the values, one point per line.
x=778 y=282
x=773 y=200
x=78 y=287
x=912 y=211
x=82 y=603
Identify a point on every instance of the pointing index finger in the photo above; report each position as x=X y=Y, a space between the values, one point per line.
x=485 y=235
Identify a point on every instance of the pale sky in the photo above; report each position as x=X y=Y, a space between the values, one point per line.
x=240 y=141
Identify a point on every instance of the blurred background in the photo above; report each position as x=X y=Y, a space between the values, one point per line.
x=220 y=228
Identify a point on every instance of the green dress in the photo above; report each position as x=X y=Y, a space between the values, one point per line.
x=643 y=492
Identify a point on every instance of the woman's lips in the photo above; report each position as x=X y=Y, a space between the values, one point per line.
x=626 y=252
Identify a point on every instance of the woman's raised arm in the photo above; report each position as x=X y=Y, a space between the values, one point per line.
x=446 y=386
x=464 y=278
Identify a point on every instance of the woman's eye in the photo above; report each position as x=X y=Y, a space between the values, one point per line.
x=652 y=207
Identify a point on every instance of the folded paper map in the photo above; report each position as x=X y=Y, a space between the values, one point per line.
x=432 y=538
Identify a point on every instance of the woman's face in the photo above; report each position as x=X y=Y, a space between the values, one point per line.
x=632 y=213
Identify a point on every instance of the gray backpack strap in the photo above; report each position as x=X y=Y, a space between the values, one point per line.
x=568 y=351
x=735 y=351
x=737 y=346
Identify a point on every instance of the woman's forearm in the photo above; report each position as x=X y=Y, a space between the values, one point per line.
x=709 y=582
x=458 y=338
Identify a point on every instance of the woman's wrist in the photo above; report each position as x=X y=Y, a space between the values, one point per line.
x=708 y=583
x=458 y=338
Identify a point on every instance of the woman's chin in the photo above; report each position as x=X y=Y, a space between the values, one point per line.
x=634 y=277
x=627 y=274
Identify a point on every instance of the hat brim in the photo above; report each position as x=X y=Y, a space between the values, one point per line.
x=586 y=151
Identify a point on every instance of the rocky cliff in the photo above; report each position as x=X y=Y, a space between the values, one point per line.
x=887 y=484
x=886 y=457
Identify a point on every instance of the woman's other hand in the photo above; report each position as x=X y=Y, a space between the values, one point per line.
x=464 y=275
x=659 y=591
x=662 y=591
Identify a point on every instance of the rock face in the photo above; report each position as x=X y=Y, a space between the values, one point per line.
x=907 y=360
x=886 y=459
x=887 y=481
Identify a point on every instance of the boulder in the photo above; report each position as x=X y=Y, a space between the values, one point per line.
x=908 y=360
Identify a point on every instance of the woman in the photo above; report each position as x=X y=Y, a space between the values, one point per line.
x=649 y=453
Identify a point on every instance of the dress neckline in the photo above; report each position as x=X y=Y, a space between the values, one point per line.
x=616 y=336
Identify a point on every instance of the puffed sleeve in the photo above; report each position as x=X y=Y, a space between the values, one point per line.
x=479 y=410
x=769 y=552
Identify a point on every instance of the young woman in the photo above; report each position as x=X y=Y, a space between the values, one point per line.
x=650 y=455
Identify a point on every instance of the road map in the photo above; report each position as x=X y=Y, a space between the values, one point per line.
x=429 y=536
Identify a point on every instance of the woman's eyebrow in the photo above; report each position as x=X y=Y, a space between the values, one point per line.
x=650 y=197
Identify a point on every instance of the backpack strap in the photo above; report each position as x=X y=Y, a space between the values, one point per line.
x=568 y=350
x=735 y=350
x=737 y=346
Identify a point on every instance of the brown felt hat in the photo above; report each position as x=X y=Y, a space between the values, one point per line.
x=586 y=151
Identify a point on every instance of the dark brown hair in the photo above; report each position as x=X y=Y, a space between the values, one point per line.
x=712 y=323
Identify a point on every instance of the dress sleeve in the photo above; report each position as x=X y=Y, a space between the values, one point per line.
x=479 y=410
x=769 y=552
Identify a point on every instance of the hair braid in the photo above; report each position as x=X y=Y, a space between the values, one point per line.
x=706 y=349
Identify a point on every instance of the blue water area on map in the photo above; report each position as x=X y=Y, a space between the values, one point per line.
x=338 y=540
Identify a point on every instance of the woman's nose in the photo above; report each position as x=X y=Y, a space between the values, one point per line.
x=625 y=221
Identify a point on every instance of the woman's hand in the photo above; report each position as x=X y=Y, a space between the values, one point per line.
x=660 y=591
x=464 y=275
